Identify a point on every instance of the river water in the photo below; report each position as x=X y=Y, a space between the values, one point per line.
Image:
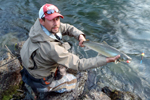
x=123 y=24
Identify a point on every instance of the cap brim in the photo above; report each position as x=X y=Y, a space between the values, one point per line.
x=54 y=15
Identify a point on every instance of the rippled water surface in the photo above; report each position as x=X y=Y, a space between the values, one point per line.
x=124 y=24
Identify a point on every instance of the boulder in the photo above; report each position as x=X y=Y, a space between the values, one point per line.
x=10 y=77
x=120 y=95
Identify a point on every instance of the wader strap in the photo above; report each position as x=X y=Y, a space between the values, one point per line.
x=45 y=81
x=57 y=74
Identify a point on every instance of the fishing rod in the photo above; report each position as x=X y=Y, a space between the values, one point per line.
x=10 y=61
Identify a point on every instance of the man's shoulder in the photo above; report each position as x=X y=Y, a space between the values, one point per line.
x=64 y=24
x=49 y=45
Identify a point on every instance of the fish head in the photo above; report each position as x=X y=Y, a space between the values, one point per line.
x=125 y=58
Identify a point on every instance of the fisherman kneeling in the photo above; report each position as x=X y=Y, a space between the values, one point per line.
x=45 y=57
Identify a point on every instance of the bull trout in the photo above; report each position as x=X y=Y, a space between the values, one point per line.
x=107 y=50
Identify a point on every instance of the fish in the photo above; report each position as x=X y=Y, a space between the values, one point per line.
x=107 y=51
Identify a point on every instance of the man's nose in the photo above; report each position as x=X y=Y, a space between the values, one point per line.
x=55 y=22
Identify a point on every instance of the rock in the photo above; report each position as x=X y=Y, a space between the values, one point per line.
x=9 y=75
x=89 y=93
x=120 y=95
x=95 y=95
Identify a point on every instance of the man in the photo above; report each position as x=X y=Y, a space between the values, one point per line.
x=45 y=56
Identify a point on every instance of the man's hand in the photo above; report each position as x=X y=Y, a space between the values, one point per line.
x=112 y=59
x=81 y=40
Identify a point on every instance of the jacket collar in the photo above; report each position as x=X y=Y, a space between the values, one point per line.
x=37 y=34
x=50 y=34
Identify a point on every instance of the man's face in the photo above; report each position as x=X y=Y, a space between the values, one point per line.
x=52 y=25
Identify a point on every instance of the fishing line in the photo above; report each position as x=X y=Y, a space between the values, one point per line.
x=9 y=61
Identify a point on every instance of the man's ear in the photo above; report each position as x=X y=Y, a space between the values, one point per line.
x=41 y=21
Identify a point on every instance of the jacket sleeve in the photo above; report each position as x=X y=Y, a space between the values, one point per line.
x=70 y=30
x=69 y=60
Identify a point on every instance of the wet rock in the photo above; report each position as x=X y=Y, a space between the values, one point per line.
x=95 y=95
x=120 y=95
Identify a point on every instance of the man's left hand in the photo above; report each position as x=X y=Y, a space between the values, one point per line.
x=112 y=59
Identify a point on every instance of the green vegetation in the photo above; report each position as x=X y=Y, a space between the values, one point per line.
x=8 y=94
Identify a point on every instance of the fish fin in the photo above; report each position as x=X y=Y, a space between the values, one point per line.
x=104 y=42
x=86 y=49
x=116 y=62
x=99 y=54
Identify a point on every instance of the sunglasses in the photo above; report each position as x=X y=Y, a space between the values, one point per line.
x=50 y=11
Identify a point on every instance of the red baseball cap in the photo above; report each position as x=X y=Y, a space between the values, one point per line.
x=49 y=11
